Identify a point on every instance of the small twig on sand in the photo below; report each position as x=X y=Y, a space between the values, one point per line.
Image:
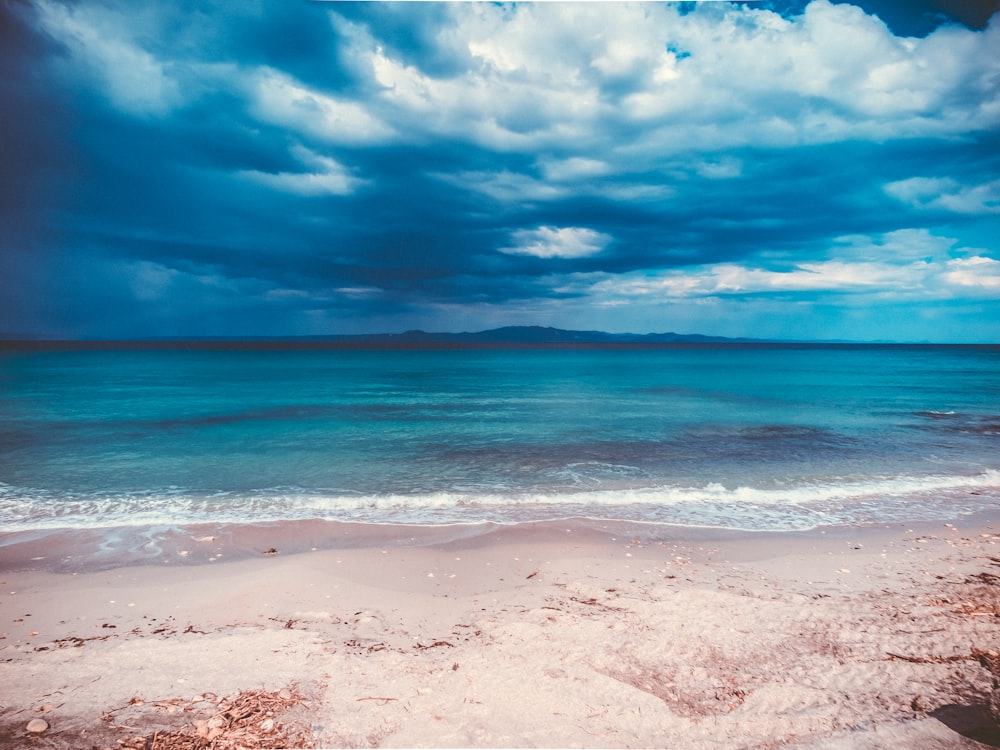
x=419 y=647
x=928 y=659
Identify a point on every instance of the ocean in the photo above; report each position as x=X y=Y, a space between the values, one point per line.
x=734 y=437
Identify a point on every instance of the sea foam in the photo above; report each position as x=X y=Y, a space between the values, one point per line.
x=799 y=507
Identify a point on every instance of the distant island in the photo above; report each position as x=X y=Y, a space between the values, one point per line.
x=531 y=335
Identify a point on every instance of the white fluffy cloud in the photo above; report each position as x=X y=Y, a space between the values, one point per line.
x=278 y=99
x=557 y=242
x=608 y=86
x=637 y=87
x=947 y=194
x=710 y=79
x=832 y=74
x=902 y=265
x=975 y=273
x=898 y=246
x=505 y=186
x=731 y=278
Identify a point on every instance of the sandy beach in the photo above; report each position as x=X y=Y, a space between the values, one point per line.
x=548 y=635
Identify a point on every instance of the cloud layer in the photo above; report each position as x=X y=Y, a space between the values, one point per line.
x=773 y=169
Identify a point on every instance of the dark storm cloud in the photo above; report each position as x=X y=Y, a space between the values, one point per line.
x=322 y=167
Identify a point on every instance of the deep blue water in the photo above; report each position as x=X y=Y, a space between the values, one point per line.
x=757 y=438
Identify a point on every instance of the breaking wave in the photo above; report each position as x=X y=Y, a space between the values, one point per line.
x=801 y=506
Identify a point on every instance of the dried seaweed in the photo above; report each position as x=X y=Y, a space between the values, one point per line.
x=248 y=720
x=990 y=579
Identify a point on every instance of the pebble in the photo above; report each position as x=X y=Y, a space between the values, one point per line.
x=37 y=726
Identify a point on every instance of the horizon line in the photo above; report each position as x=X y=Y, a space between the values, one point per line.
x=372 y=342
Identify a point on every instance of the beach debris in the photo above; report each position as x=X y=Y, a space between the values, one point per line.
x=37 y=726
x=533 y=573
x=593 y=602
x=247 y=720
x=990 y=579
x=366 y=646
x=989 y=659
x=72 y=641
x=270 y=551
x=436 y=644
x=929 y=659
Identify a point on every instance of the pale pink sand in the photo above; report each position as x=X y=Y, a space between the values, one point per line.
x=554 y=635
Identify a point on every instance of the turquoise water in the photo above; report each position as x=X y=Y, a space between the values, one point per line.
x=753 y=438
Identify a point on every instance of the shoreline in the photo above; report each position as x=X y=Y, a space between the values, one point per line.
x=92 y=549
x=552 y=634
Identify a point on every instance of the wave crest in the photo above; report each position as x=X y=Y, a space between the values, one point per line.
x=798 y=507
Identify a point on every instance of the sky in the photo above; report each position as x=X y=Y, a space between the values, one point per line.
x=773 y=169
